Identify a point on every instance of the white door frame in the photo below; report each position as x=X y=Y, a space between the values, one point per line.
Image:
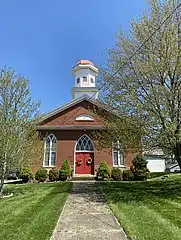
x=80 y=151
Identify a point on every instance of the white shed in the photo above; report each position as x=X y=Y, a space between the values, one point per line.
x=156 y=164
x=156 y=161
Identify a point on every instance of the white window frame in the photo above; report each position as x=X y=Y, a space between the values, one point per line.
x=84 y=117
x=51 y=137
x=120 y=155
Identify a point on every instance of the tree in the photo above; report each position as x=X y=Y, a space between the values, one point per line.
x=139 y=168
x=20 y=145
x=117 y=128
x=148 y=87
x=65 y=170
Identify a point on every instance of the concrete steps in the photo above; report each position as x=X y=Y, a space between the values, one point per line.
x=83 y=177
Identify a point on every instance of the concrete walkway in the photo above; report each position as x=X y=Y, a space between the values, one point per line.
x=86 y=216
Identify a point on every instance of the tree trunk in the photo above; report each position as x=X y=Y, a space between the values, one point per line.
x=177 y=154
x=2 y=179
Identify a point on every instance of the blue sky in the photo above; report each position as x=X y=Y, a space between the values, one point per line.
x=43 y=39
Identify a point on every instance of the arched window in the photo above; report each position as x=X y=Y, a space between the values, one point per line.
x=84 y=117
x=84 y=144
x=50 y=151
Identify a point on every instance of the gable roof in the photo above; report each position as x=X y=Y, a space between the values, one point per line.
x=74 y=102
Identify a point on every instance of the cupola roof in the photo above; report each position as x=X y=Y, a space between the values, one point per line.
x=84 y=62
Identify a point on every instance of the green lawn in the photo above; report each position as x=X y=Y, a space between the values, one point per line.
x=33 y=211
x=147 y=210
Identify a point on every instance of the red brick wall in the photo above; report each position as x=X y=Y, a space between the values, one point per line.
x=66 y=139
x=68 y=116
x=129 y=158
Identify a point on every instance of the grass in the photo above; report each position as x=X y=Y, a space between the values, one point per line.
x=33 y=211
x=147 y=210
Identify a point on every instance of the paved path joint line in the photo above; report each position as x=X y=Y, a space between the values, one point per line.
x=86 y=216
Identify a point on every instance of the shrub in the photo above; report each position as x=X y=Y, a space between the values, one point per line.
x=141 y=175
x=139 y=168
x=103 y=171
x=127 y=175
x=139 y=162
x=53 y=175
x=63 y=175
x=65 y=170
x=26 y=174
x=116 y=174
x=41 y=175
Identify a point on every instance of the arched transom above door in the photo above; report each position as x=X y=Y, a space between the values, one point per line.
x=84 y=144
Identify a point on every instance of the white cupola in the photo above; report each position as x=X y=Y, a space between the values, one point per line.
x=85 y=79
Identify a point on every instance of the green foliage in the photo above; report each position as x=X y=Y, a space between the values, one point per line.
x=127 y=175
x=63 y=175
x=139 y=168
x=103 y=171
x=66 y=167
x=157 y=174
x=19 y=141
x=141 y=174
x=41 y=175
x=65 y=170
x=26 y=174
x=116 y=174
x=53 y=175
x=139 y=162
x=148 y=86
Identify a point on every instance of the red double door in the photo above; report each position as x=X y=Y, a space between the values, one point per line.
x=84 y=163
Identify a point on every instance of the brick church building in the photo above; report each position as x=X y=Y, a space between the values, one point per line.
x=67 y=129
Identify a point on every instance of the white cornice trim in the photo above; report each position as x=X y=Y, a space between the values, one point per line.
x=71 y=127
x=87 y=66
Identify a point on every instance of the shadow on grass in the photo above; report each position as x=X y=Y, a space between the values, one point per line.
x=140 y=191
x=33 y=211
x=129 y=191
x=32 y=189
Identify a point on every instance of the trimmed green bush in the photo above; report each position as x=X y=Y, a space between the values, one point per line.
x=65 y=171
x=26 y=174
x=63 y=175
x=41 y=175
x=103 y=171
x=53 y=175
x=139 y=162
x=127 y=175
x=141 y=174
x=139 y=168
x=116 y=174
